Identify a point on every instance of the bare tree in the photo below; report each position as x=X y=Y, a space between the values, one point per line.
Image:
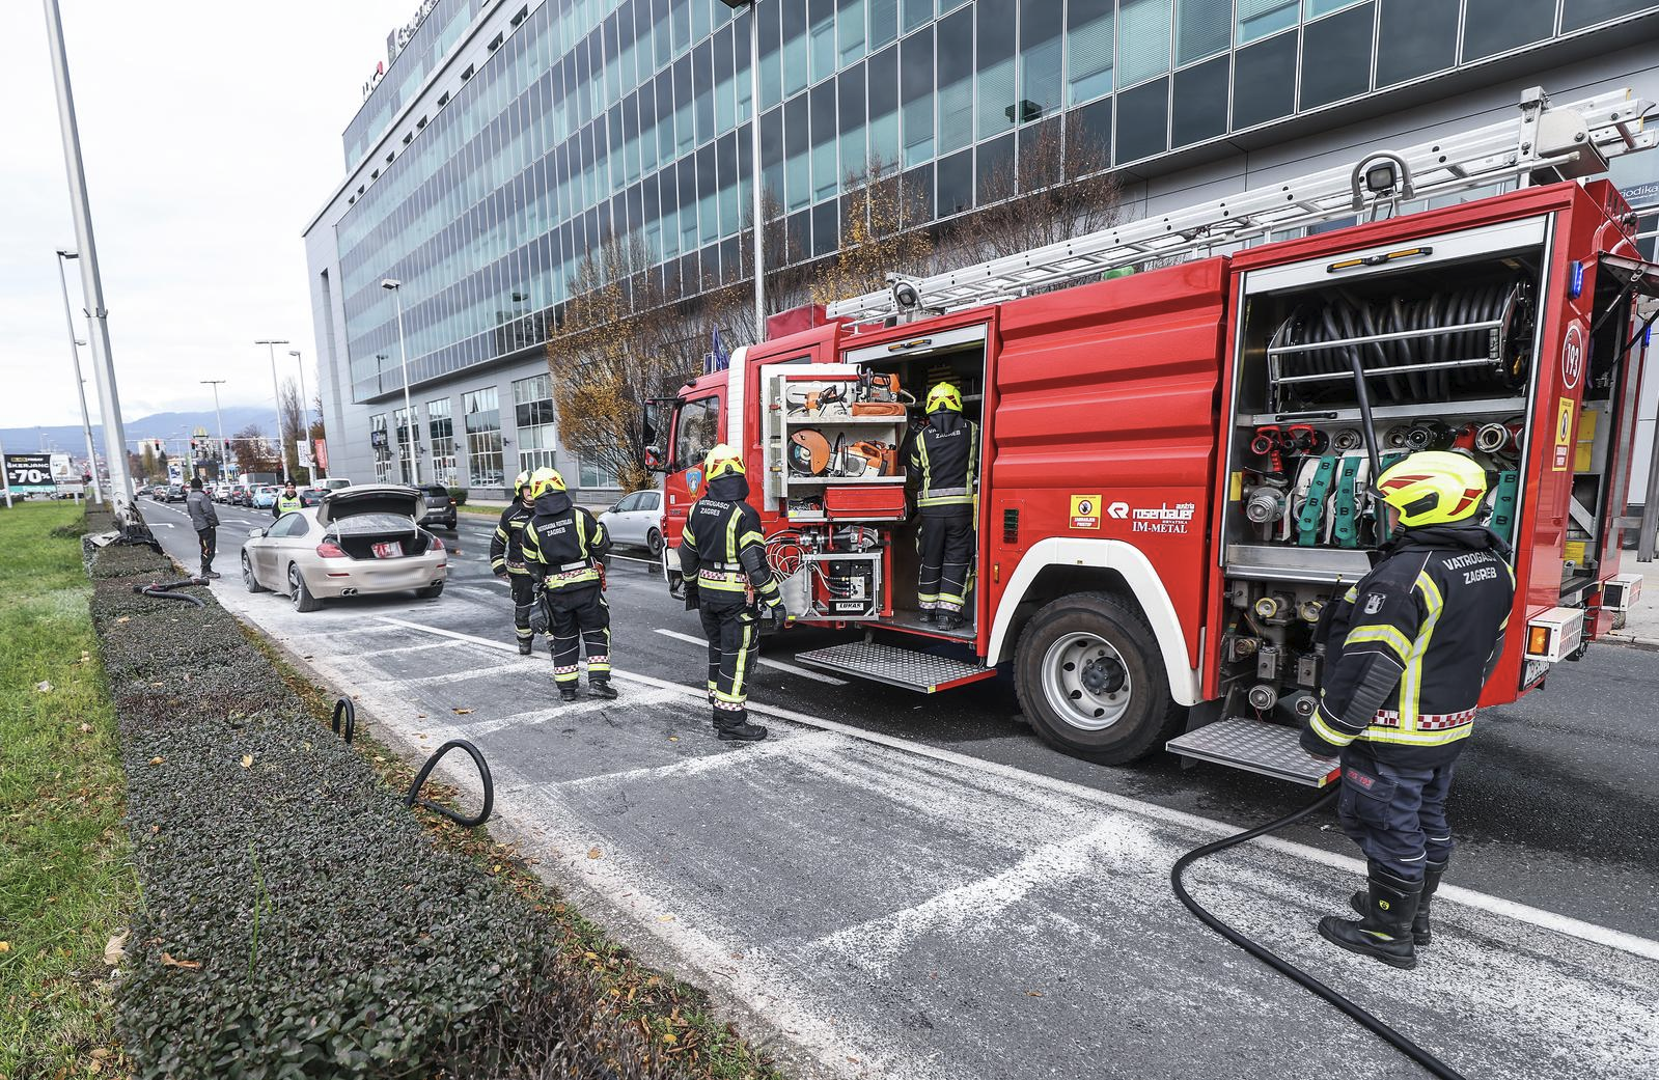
x=292 y=413
x=1058 y=187
x=876 y=237
x=254 y=451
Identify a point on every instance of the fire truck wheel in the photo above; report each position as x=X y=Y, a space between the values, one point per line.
x=1091 y=682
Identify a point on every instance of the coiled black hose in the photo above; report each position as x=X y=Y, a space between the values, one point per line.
x=1428 y=1061
x=413 y=798
x=162 y=590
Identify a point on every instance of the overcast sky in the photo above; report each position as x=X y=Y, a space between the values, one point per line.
x=211 y=135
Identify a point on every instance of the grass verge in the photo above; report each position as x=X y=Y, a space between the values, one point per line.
x=66 y=882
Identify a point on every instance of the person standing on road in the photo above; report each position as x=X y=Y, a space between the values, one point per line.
x=944 y=461
x=728 y=581
x=287 y=501
x=1407 y=651
x=507 y=561
x=564 y=547
x=205 y=520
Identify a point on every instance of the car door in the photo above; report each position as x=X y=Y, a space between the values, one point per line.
x=622 y=521
x=647 y=515
x=269 y=568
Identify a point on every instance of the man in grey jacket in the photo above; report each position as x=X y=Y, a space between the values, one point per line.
x=205 y=520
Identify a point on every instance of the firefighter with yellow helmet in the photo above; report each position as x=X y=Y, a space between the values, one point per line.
x=1407 y=651
x=728 y=581
x=507 y=560
x=564 y=547
x=944 y=465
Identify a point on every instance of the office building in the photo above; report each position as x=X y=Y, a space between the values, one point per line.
x=506 y=138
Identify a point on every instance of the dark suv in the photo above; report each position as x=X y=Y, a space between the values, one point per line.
x=440 y=507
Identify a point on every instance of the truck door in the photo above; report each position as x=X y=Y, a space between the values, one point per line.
x=1638 y=282
x=694 y=431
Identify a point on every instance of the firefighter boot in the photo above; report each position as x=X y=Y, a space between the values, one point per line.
x=1420 y=933
x=1385 y=931
x=526 y=646
x=949 y=620
x=733 y=726
x=926 y=616
x=601 y=687
x=567 y=691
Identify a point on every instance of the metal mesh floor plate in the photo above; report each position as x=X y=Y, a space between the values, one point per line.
x=896 y=666
x=1259 y=747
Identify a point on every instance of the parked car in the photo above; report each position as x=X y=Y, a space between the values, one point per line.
x=357 y=542
x=637 y=520
x=221 y=491
x=311 y=496
x=264 y=497
x=239 y=495
x=175 y=493
x=440 y=507
x=335 y=483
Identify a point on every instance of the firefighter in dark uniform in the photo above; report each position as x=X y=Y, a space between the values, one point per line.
x=944 y=463
x=727 y=579
x=1408 y=650
x=563 y=546
x=507 y=561
x=287 y=501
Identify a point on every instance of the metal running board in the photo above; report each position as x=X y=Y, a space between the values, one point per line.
x=895 y=666
x=1259 y=747
x=1543 y=139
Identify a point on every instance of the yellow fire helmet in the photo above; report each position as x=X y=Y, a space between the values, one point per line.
x=944 y=396
x=544 y=480
x=520 y=480
x=1433 y=487
x=721 y=461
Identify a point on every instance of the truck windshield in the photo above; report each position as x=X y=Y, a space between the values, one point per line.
x=697 y=432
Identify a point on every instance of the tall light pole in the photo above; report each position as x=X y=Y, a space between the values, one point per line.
x=92 y=285
x=282 y=458
x=395 y=287
x=224 y=447
x=305 y=418
x=754 y=159
x=80 y=384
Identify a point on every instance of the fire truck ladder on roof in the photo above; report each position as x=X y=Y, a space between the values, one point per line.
x=1543 y=143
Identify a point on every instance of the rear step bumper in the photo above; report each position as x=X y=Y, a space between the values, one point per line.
x=895 y=666
x=1259 y=747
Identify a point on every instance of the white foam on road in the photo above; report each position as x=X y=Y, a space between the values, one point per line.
x=764 y=661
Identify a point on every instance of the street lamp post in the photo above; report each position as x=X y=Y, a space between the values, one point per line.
x=224 y=447
x=305 y=419
x=395 y=287
x=65 y=254
x=754 y=159
x=92 y=285
x=282 y=458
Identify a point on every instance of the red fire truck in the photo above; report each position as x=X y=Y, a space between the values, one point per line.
x=1174 y=465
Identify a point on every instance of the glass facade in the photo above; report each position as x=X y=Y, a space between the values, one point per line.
x=597 y=118
x=407 y=445
x=533 y=411
x=382 y=450
x=442 y=428
x=483 y=423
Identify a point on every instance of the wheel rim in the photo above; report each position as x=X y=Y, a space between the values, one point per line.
x=1086 y=682
x=295 y=585
x=247 y=571
x=653 y=542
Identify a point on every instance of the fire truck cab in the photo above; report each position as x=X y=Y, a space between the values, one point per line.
x=1173 y=463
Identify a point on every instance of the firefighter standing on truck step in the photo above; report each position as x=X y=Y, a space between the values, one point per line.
x=563 y=546
x=944 y=460
x=727 y=579
x=507 y=561
x=1408 y=650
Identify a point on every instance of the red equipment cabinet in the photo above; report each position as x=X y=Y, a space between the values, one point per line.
x=1172 y=470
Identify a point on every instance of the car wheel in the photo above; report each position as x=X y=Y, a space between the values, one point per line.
x=250 y=582
x=431 y=592
x=653 y=543
x=298 y=593
x=1092 y=682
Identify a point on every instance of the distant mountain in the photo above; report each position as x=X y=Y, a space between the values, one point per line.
x=167 y=425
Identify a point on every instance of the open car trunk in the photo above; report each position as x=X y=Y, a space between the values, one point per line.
x=379 y=536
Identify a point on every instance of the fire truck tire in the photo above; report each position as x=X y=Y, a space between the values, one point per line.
x=1091 y=681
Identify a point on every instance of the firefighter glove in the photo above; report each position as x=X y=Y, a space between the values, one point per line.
x=691 y=598
x=1318 y=747
x=538 y=617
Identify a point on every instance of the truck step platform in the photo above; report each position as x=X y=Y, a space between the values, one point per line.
x=1258 y=747
x=896 y=666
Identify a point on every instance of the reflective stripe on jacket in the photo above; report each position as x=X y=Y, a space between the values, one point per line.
x=507 y=543
x=946 y=464
x=563 y=543
x=723 y=549
x=286 y=505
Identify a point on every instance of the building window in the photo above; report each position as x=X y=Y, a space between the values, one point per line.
x=382 y=450
x=593 y=474
x=441 y=429
x=1264 y=81
x=1490 y=28
x=533 y=412
x=1143 y=48
x=1089 y=49
x=1416 y=37
x=483 y=423
x=1259 y=18
x=1581 y=13
x=407 y=445
x=1336 y=57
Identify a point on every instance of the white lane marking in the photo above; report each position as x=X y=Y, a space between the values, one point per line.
x=422 y=647
x=1548 y=920
x=633 y=558
x=793 y=669
x=560 y=712
x=809 y=743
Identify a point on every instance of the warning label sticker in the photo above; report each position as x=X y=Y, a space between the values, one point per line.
x=1085 y=511
x=1563 y=437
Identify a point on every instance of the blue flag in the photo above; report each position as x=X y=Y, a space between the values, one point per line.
x=721 y=359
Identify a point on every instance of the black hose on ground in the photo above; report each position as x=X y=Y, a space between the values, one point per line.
x=1428 y=1061
x=162 y=590
x=414 y=799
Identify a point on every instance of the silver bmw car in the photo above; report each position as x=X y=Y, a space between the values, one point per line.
x=357 y=541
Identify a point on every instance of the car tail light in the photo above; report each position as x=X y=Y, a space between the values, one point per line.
x=437 y=543
x=328 y=549
x=452 y=502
